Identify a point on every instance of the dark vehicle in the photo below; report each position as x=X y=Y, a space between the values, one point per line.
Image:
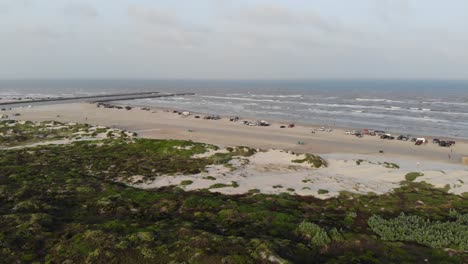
x=414 y=139
x=403 y=137
x=384 y=136
x=197 y=116
x=379 y=132
x=359 y=135
x=234 y=119
x=444 y=144
x=419 y=142
x=436 y=141
x=452 y=142
x=282 y=126
x=391 y=138
x=291 y=125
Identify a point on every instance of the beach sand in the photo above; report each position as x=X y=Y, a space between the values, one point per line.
x=354 y=164
x=163 y=124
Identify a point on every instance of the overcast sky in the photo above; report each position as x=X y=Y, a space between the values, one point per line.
x=237 y=39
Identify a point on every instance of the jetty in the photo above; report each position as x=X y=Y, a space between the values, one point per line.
x=92 y=99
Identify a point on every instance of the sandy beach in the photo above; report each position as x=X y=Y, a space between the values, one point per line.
x=352 y=164
x=163 y=124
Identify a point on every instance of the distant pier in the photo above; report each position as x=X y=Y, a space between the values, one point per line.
x=92 y=98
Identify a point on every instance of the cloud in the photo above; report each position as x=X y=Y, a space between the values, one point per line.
x=154 y=16
x=80 y=10
x=164 y=28
x=37 y=31
x=281 y=16
x=389 y=10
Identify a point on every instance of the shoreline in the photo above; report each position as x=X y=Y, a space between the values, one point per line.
x=163 y=124
x=275 y=121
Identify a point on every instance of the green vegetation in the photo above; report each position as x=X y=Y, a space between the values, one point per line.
x=413 y=175
x=390 y=165
x=186 y=182
x=211 y=178
x=62 y=204
x=436 y=234
x=315 y=160
x=322 y=191
x=223 y=185
x=317 y=235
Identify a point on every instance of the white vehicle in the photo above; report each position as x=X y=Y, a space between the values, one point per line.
x=329 y=130
x=322 y=129
x=348 y=132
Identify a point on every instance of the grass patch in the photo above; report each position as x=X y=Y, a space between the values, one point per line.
x=315 y=160
x=413 y=175
x=322 y=191
x=390 y=165
x=186 y=182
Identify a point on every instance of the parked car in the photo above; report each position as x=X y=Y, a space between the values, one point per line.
x=436 y=141
x=414 y=139
x=419 y=142
x=451 y=142
x=291 y=125
x=445 y=144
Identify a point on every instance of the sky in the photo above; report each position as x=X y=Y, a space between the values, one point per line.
x=237 y=39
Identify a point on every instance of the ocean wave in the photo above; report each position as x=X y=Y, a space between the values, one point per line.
x=277 y=96
x=448 y=103
x=239 y=98
x=379 y=100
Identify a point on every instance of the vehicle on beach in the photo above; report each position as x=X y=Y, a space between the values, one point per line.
x=387 y=136
x=348 y=132
x=263 y=123
x=436 y=141
x=420 y=141
x=234 y=119
x=197 y=116
x=445 y=144
x=403 y=137
x=291 y=125
x=282 y=126
x=359 y=135
x=212 y=117
x=322 y=129
x=414 y=139
x=329 y=130
x=379 y=132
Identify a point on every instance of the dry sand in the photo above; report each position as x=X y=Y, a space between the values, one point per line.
x=166 y=125
x=273 y=171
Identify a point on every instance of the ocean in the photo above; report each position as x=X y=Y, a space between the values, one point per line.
x=438 y=108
